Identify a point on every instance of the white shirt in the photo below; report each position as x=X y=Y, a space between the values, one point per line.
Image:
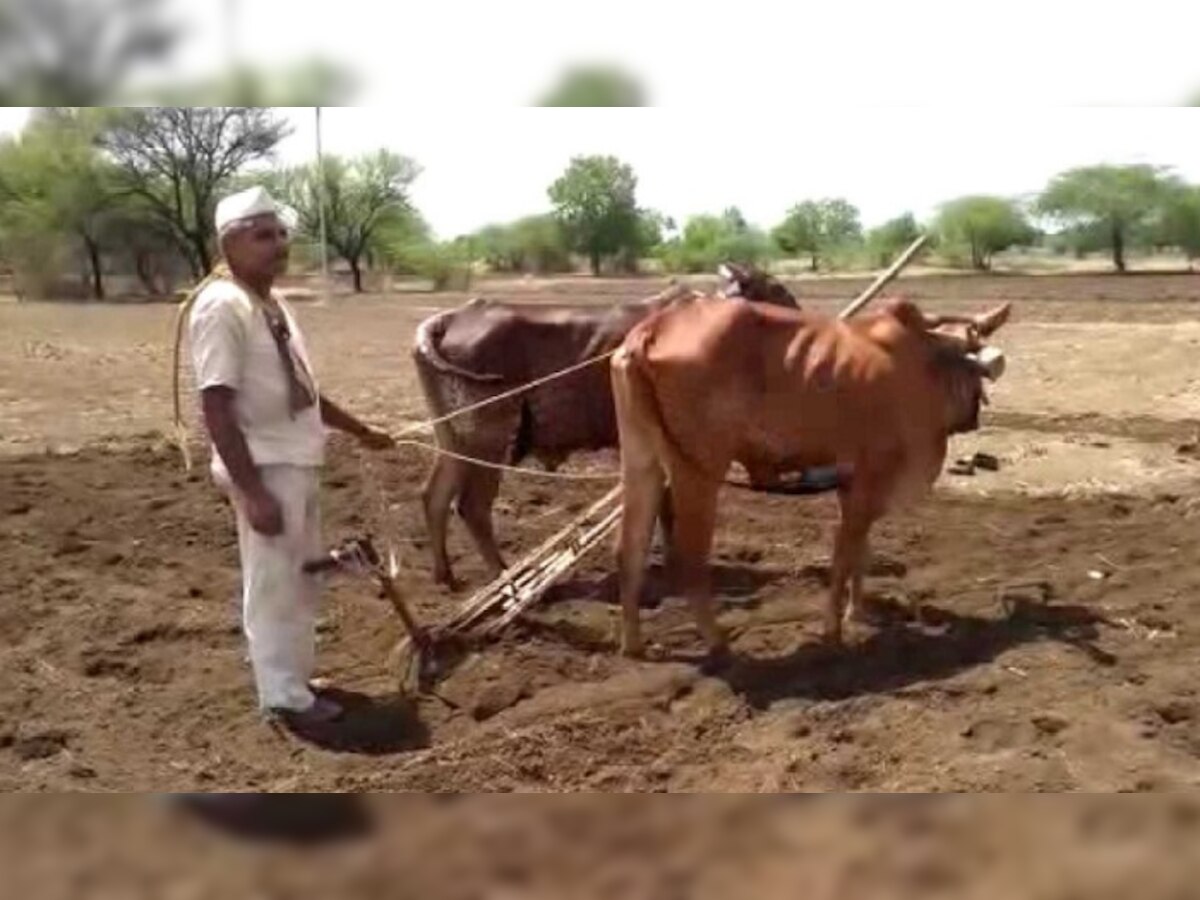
x=232 y=346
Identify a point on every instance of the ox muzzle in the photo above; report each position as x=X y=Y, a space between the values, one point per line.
x=989 y=362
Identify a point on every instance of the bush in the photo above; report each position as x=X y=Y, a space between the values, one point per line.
x=447 y=265
x=707 y=241
x=973 y=229
x=535 y=245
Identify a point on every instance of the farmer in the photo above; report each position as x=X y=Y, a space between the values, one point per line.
x=266 y=419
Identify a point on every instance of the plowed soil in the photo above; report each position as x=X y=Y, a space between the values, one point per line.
x=1035 y=628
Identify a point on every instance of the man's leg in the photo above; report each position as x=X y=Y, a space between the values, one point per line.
x=279 y=600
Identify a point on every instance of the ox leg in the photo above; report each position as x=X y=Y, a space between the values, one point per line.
x=695 y=514
x=445 y=482
x=666 y=528
x=643 y=481
x=642 y=492
x=861 y=505
x=475 y=507
x=854 y=607
x=848 y=550
x=851 y=535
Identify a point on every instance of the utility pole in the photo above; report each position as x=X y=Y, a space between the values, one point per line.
x=321 y=213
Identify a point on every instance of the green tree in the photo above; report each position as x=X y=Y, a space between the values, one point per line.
x=982 y=226
x=364 y=197
x=59 y=196
x=708 y=240
x=1078 y=240
x=816 y=228
x=1180 y=225
x=539 y=245
x=535 y=244
x=446 y=264
x=497 y=248
x=1118 y=199
x=595 y=199
x=595 y=85
x=178 y=160
x=887 y=241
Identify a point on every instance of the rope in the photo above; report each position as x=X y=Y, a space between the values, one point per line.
x=787 y=490
x=501 y=467
x=506 y=395
x=220 y=270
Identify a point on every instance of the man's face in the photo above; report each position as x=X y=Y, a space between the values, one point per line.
x=258 y=248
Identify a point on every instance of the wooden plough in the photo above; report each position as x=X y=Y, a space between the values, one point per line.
x=490 y=609
x=487 y=612
x=522 y=585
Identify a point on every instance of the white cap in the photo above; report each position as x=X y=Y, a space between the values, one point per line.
x=248 y=204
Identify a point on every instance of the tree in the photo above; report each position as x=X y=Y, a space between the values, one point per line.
x=447 y=264
x=708 y=240
x=539 y=245
x=595 y=85
x=535 y=244
x=653 y=228
x=818 y=227
x=888 y=240
x=59 y=194
x=981 y=227
x=596 y=202
x=77 y=51
x=178 y=159
x=364 y=197
x=1180 y=225
x=497 y=248
x=1119 y=199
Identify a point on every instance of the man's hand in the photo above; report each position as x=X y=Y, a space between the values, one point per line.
x=374 y=439
x=336 y=417
x=264 y=512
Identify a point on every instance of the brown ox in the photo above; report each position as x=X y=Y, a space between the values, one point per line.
x=485 y=348
x=708 y=384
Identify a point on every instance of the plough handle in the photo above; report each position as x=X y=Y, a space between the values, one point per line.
x=416 y=633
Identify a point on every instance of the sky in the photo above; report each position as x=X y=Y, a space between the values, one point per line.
x=494 y=165
x=897 y=107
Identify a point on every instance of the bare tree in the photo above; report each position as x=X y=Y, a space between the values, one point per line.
x=177 y=159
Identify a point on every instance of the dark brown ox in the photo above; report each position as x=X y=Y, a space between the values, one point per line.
x=702 y=386
x=486 y=348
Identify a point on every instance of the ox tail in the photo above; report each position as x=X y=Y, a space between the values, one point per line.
x=427 y=350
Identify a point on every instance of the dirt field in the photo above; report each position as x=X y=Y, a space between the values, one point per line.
x=1056 y=649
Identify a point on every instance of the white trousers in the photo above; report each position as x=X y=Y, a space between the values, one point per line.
x=279 y=602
